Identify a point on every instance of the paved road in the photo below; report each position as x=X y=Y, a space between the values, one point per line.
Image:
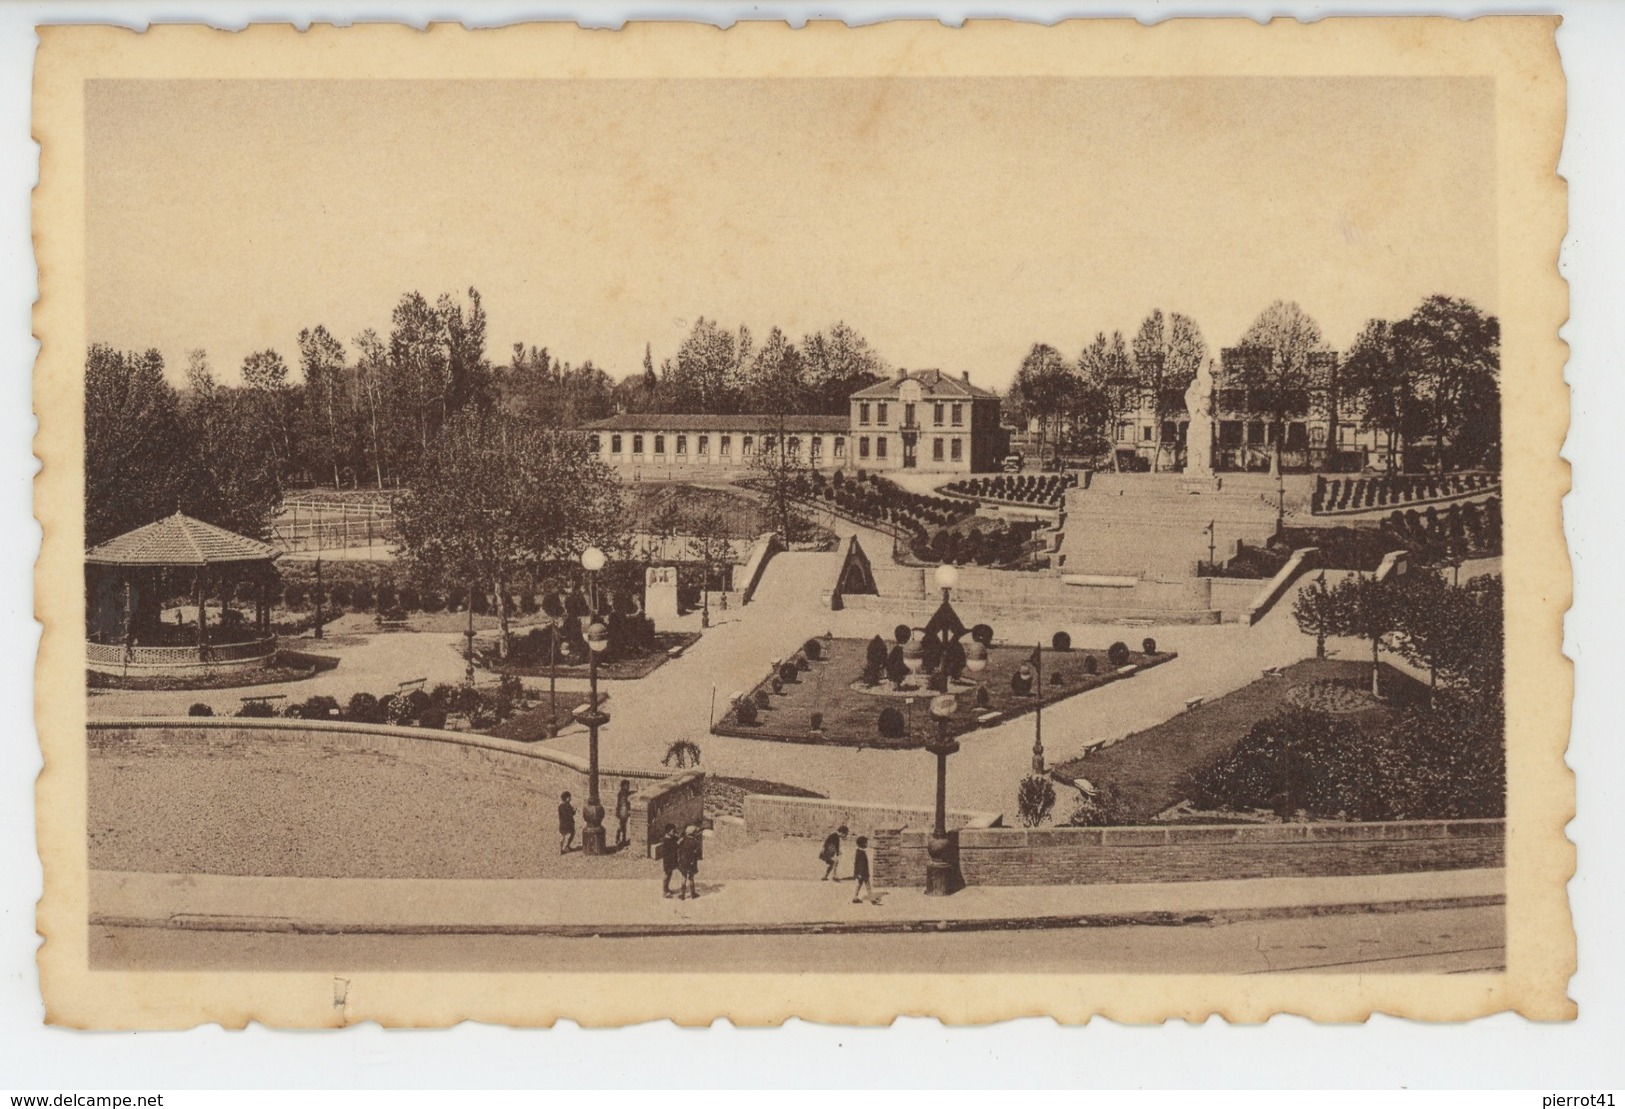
x=1438 y=941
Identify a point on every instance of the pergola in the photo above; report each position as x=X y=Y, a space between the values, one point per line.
x=128 y=578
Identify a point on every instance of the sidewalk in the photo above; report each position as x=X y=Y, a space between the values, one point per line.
x=626 y=907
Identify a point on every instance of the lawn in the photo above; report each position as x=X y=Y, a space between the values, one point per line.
x=627 y=668
x=744 y=516
x=851 y=713
x=1151 y=769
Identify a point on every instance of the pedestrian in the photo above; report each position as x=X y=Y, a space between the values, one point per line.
x=690 y=849
x=860 y=870
x=667 y=851
x=623 y=812
x=567 y=823
x=831 y=853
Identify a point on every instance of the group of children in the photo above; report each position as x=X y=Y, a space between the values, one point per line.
x=831 y=857
x=567 y=818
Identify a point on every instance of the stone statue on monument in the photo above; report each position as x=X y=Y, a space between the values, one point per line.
x=1199 y=435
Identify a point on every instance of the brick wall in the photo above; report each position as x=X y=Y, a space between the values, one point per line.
x=1086 y=856
x=678 y=800
x=816 y=817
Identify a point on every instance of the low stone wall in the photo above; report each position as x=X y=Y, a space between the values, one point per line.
x=1090 y=856
x=678 y=800
x=816 y=817
x=427 y=742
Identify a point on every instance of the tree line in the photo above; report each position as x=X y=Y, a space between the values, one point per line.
x=1431 y=378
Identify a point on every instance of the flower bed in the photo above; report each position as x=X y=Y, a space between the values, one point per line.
x=849 y=714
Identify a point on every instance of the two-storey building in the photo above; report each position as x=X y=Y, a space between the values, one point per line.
x=927 y=420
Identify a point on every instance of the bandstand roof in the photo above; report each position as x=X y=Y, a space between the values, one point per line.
x=179 y=541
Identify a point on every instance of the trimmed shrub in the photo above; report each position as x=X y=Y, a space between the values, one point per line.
x=432 y=601
x=410 y=599
x=341 y=595
x=511 y=687
x=364 y=709
x=873 y=672
x=1021 y=684
x=876 y=653
x=432 y=717
x=896 y=668
x=778 y=684
x=817 y=721
x=294 y=597
x=200 y=709
x=891 y=724
x=397 y=710
x=813 y=649
x=1101 y=809
x=1148 y=645
x=1117 y=654
x=984 y=699
x=902 y=633
x=1035 y=798
x=745 y=713
x=983 y=634
x=787 y=673
x=762 y=699
x=387 y=596
x=319 y=708
x=1061 y=641
x=953 y=659
x=801 y=662
x=1090 y=666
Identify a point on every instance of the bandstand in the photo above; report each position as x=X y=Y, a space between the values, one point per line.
x=128 y=578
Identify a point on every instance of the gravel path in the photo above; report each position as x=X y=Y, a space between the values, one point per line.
x=304 y=807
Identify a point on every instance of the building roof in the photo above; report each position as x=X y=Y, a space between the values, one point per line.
x=685 y=421
x=179 y=541
x=934 y=382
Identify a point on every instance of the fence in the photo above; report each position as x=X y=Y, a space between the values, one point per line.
x=311 y=525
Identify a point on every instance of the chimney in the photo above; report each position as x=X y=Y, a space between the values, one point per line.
x=902 y=374
x=964 y=375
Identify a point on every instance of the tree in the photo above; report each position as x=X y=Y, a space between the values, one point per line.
x=1040 y=390
x=266 y=376
x=135 y=456
x=372 y=383
x=784 y=469
x=321 y=357
x=707 y=532
x=495 y=498
x=231 y=475
x=1105 y=366
x=1165 y=362
x=709 y=368
x=1277 y=387
x=1314 y=608
x=1368 y=609
x=1373 y=376
x=1451 y=352
x=1035 y=798
x=418 y=369
x=838 y=363
x=776 y=381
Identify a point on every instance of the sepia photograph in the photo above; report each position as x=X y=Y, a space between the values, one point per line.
x=630 y=522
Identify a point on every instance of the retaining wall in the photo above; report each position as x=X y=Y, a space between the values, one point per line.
x=1089 y=856
x=816 y=817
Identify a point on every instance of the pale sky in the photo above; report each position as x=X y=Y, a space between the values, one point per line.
x=952 y=222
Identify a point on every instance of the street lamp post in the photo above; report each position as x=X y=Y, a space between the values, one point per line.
x=468 y=643
x=939 y=869
x=947 y=577
x=1212 y=543
x=1280 y=498
x=592 y=836
x=318 y=633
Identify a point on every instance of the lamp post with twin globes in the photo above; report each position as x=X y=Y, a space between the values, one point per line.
x=947 y=577
x=592 y=836
x=939 y=868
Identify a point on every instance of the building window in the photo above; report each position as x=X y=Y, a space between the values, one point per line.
x=936 y=413
x=745 y=447
x=682 y=444
x=660 y=444
x=1125 y=432
x=863 y=413
x=959 y=450
x=1147 y=433
x=817 y=447
x=637 y=444
x=936 y=449
x=1345 y=434
x=1229 y=433
x=880 y=414
x=959 y=415
x=794 y=446
x=863 y=446
x=840 y=446
x=593 y=444
x=725 y=447
x=1297 y=436
x=614 y=444
x=908 y=415
x=705 y=445
x=880 y=445
x=1255 y=433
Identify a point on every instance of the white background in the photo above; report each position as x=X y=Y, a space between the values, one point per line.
x=1503 y=1051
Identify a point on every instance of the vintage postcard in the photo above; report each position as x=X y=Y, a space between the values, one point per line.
x=826 y=523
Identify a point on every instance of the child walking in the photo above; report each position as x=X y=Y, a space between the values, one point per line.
x=860 y=871
x=567 y=823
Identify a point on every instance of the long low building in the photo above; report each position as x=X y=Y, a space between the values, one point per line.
x=924 y=420
x=677 y=440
